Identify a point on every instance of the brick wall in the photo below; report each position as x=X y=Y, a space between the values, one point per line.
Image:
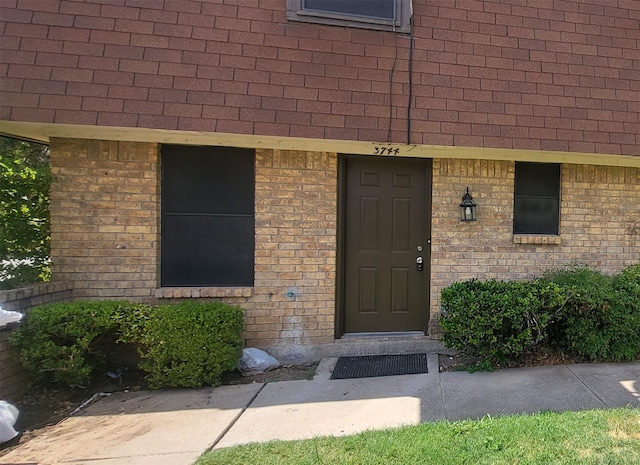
x=296 y=205
x=598 y=224
x=105 y=235
x=105 y=217
x=543 y=75
x=13 y=380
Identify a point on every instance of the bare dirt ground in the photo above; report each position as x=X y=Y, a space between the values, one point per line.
x=41 y=409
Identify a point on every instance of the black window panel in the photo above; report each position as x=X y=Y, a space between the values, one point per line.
x=207 y=250
x=207 y=216
x=384 y=9
x=537 y=179
x=207 y=180
x=537 y=198
x=535 y=216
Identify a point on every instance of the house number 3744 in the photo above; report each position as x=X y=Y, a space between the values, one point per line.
x=382 y=150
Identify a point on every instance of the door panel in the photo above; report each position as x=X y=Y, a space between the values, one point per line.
x=385 y=221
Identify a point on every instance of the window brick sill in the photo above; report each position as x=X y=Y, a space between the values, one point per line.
x=536 y=239
x=202 y=292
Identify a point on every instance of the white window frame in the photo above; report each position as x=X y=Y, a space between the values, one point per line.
x=402 y=22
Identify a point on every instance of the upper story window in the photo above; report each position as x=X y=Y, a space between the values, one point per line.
x=537 y=198
x=386 y=15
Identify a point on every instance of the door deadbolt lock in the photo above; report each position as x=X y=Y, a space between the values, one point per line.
x=419 y=264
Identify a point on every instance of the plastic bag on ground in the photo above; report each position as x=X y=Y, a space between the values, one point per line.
x=7 y=317
x=256 y=361
x=8 y=417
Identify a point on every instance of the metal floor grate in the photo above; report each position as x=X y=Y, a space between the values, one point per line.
x=370 y=366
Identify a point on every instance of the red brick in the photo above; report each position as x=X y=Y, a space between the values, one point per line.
x=38 y=5
x=250 y=75
x=113 y=77
x=11 y=84
x=301 y=93
x=158 y=122
x=224 y=48
x=150 y=80
x=93 y=22
x=72 y=74
x=103 y=104
x=177 y=69
x=235 y=127
x=189 y=83
x=168 y=95
x=208 y=33
x=271 y=129
x=52 y=19
x=88 y=89
x=215 y=72
x=18 y=57
x=12 y=15
x=306 y=131
x=183 y=5
x=24 y=113
x=81 y=48
x=110 y=37
x=129 y=92
x=143 y=107
x=183 y=109
x=172 y=30
x=155 y=54
x=242 y=101
x=75 y=117
x=117 y=119
x=24 y=30
x=80 y=8
x=20 y=99
x=242 y=62
x=220 y=112
x=205 y=98
x=140 y=27
x=256 y=114
x=117 y=11
x=159 y=15
x=232 y=24
x=44 y=87
x=196 y=124
x=139 y=66
x=105 y=63
x=29 y=71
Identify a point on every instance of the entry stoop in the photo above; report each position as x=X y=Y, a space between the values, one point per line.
x=358 y=344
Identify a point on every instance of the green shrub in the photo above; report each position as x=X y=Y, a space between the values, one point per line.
x=183 y=345
x=58 y=343
x=601 y=318
x=189 y=344
x=498 y=321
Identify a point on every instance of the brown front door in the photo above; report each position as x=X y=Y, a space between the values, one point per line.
x=386 y=233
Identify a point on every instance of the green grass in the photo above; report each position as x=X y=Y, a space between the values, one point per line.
x=588 y=437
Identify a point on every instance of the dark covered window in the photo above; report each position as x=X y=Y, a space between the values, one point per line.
x=390 y=15
x=537 y=198
x=207 y=236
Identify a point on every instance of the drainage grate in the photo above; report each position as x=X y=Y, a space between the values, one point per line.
x=370 y=366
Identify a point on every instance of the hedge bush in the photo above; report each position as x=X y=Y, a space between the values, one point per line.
x=58 y=343
x=498 y=321
x=579 y=311
x=183 y=345
x=189 y=344
x=601 y=318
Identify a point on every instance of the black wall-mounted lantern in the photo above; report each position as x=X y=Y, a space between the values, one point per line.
x=467 y=208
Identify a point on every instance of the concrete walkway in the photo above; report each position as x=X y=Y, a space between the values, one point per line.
x=175 y=427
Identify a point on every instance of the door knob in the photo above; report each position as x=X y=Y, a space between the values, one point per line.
x=419 y=264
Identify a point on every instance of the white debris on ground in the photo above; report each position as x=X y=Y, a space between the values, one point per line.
x=256 y=361
x=8 y=418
